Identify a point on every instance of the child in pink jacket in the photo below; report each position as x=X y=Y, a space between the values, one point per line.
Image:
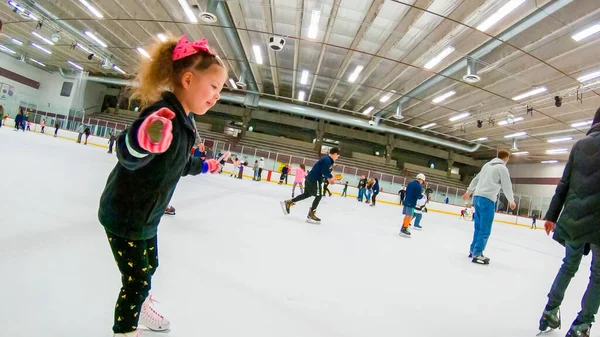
x=299 y=179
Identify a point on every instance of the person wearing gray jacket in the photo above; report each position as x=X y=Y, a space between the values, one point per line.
x=486 y=187
x=80 y=130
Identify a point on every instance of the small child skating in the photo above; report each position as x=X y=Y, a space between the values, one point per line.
x=299 y=179
x=419 y=211
x=153 y=155
x=28 y=126
x=534 y=221
x=170 y=210
x=326 y=188
x=43 y=125
x=345 y=191
x=314 y=185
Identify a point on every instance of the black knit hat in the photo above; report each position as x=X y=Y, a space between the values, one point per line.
x=596 y=117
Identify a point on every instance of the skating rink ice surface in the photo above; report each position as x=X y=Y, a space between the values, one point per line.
x=231 y=264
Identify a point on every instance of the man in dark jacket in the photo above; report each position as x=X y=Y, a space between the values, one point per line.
x=414 y=192
x=362 y=185
x=578 y=229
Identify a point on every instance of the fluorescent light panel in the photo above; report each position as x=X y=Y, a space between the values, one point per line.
x=481 y=139
x=560 y=140
x=516 y=119
x=16 y=41
x=549 y=161
x=580 y=124
x=95 y=38
x=313 y=29
x=444 y=96
x=368 y=110
x=188 y=11
x=500 y=13
x=355 y=74
x=232 y=82
x=38 y=62
x=387 y=96
x=520 y=153
x=75 y=65
x=586 y=32
x=427 y=126
x=301 y=95
x=92 y=9
x=8 y=50
x=41 y=48
x=304 y=77
x=80 y=46
x=143 y=52
x=161 y=37
x=257 y=54
x=529 y=93
x=119 y=70
x=557 y=151
x=42 y=38
x=434 y=61
x=589 y=76
x=459 y=117
x=518 y=134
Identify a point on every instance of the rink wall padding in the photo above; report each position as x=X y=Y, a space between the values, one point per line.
x=273 y=177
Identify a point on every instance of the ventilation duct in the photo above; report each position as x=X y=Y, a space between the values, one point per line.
x=515 y=147
x=398 y=114
x=471 y=76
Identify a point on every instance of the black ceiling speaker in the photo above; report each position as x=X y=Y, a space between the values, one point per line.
x=90 y=56
x=557 y=101
x=479 y=124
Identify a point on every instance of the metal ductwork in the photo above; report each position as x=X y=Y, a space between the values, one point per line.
x=538 y=15
x=301 y=110
x=471 y=76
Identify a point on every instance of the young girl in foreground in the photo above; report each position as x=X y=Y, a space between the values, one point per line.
x=153 y=154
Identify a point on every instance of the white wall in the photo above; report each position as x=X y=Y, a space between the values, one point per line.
x=46 y=98
x=536 y=171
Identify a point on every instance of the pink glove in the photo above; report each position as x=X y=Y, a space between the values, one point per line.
x=155 y=133
x=213 y=165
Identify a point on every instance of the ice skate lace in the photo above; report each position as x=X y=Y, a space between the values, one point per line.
x=150 y=312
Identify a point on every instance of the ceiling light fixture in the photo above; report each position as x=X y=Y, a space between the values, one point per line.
x=387 y=96
x=557 y=151
x=368 y=110
x=520 y=153
x=518 y=134
x=549 y=161
x=461 y=116
x=161 y=37
x=80 y=46
x=516 y=119
x=16 y=41
x=500 y=13
x=119 y=70
x=41 y=48
x=92 y=9
x=313 y=29
x=586 y=33
x=38 y=62
x=42 y=38
x=588 y=76
x=434 y=61
x=95 y=38
x=75 y=65
x=301 y=95
x=529 y=93
x=304 y=77
x=143 y=52
x=444 y=96
x=355 y=74
x=560 y=140
x=481 y=139
x=580 y=124
x=8 y=50
x=427 y=126
x=188 y=11
x=232 y=82
x=257 y=54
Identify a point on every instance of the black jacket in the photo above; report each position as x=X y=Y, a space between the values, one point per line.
x=578 y=194
x=141 y=185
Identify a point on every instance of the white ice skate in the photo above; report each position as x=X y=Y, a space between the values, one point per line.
x=136 y=333
x=152 y=319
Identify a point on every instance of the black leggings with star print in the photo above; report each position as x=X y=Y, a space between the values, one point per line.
x=137 y=260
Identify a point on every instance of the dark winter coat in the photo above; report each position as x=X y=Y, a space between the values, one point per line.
x=414 y=192
x=578 y=194
x=322 y=169
x=376 y=186
x=141 y=185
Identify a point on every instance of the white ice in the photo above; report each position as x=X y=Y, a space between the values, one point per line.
x=231 y=264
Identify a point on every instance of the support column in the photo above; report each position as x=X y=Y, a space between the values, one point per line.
x=246 y=117
x=319 y=134
x=389 y=148
x=450 y=163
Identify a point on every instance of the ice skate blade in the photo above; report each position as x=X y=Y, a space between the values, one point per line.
x=476 y=261
x=311 y=221
x=283 y=208
x=402 y=235
x=418 y=228
x=545 y=332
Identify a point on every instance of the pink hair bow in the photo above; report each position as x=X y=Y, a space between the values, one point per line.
x=185 y=48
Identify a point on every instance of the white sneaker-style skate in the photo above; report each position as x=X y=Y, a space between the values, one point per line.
x=136 y=333
x=152 y=319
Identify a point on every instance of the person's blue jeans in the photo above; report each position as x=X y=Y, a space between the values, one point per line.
x=368 y=194
x=361 y=194
x=484 y=217
x=256 y=174
x=418 y=217
x=591 y=298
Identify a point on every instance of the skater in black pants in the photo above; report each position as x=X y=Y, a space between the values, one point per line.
x=313 y=185
x=326 y=188
x=284 y=175
x=375 y=192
